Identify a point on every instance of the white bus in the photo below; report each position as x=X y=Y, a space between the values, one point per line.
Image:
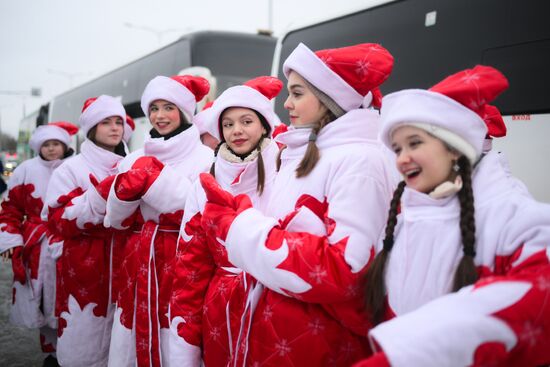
x=432 y=39
x=231 y=57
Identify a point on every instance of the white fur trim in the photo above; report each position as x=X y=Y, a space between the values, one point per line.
x=9 y=240
x=449 y=137
x=44 y=133
x=447 y=331
x=26 y=309
x=174 y=200
x=182 y=353
x=55 y=249
x=168 y=89
x=104 y=106
x=117 y=211
x=441 y=113
x=122 y=351
x=86 y=338
x=238 y=96
x=247 y=250
x=304 y=61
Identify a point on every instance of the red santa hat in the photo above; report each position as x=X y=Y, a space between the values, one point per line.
x=255 y=94
x=348 y=75
x=182 y=90
x=129 y=128
x=97 y=109
x=60 y=130
x=455 y=110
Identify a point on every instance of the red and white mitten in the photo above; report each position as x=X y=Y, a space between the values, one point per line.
x=134 y=183
x=221 y=209
x=104 y=186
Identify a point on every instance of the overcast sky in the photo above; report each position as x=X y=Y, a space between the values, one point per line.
x=58 y=44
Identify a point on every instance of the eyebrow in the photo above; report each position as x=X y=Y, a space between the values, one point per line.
x=238 y=118
x=295 y=86
x=157 y=104
x=414 y=136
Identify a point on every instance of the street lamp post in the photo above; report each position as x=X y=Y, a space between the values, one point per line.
x=33 y=92
x=68 y=75
x=157 y=32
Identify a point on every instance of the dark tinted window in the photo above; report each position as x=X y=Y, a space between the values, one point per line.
x=511 y=35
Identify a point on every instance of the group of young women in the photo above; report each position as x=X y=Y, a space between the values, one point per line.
x=284 y=245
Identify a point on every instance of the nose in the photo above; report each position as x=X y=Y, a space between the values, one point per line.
x=288 y=104
x=402 y=158
x=159 y=113
x=237 y=128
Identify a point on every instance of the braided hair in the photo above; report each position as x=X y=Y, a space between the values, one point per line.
x=465 y=273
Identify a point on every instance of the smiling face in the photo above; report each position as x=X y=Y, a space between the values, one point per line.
x=52 y=149
x=164 y=116
x=108 y=132
x=304 y=108
x=424 y=161
x=241 y=129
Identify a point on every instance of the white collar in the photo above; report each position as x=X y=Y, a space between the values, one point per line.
x=175 y=149
x=243 y=175
x=356 y=126
x=98 y=157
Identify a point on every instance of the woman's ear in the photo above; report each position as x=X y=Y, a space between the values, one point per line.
x=455 y=155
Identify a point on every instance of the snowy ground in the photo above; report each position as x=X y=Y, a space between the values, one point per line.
x=19 y=347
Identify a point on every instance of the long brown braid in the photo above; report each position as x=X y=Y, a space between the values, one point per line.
x=374 y=278
x=466 y=272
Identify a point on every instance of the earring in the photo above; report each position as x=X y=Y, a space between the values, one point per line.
x=456 y=167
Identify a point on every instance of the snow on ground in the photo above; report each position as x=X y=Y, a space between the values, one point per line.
x=19 y=347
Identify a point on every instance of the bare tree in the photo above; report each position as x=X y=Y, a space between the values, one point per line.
x=7 y=143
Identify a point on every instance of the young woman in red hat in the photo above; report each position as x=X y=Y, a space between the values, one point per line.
x=75 y=206
x=147 y=201
x=24 y=236
x=300 y=301
x=463 y=277
x=242 y=118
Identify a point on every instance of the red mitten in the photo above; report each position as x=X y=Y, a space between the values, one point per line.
x=18 y=266
x=214 y=193
x=377 y=360
x=104 y=186
x=148 y=162
x=133 y=184
x=221 y=208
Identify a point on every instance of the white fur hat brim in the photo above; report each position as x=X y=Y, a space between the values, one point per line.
x=238 y=96
x=310 y=67
x=103 y=107
x=44 y=133
x=441 y=116
x=168 y=89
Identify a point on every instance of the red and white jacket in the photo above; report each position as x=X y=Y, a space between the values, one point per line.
x=144 y=264
x=75 y=210
x=504 y=318
x=204 y=277
x=22 y=228
x=311 y=249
